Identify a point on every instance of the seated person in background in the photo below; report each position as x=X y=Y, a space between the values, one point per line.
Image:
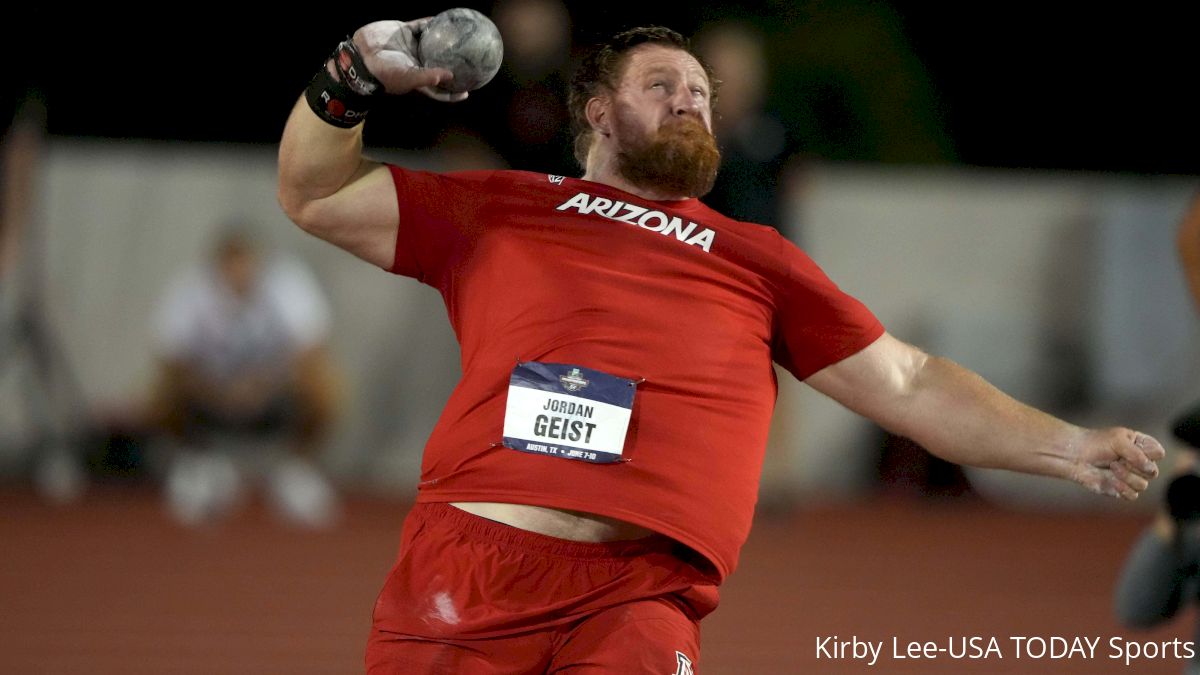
x=241 y=345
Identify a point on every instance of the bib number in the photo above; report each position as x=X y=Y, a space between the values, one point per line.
x=568 y=411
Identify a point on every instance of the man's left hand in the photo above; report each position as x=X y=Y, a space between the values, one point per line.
x=1116 y=461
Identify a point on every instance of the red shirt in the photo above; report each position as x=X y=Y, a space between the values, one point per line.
x=561 y=270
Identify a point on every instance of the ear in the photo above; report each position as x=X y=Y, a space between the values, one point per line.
x=597 y=111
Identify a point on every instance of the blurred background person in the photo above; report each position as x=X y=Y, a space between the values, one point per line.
x=1188 y=245
x=245 y=384
x=754 y=143
x=533 y=132
x=48 y=407
x=751 y=184
x=1161 y=576
x=1187 y=426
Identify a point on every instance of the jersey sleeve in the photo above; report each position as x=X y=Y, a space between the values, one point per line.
x=438 y=217
x=817 y=323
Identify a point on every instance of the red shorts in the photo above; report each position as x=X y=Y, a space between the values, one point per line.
x=470 y=595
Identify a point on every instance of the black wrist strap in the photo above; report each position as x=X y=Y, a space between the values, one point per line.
x=343 y=100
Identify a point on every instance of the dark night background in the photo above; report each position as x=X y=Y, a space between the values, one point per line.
x=1045 y=85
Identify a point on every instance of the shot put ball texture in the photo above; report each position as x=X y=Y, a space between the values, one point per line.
x=464 y=42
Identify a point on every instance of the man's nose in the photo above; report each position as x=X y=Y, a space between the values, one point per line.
x=684 y=103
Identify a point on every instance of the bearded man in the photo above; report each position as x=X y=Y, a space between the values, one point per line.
x=593 y=475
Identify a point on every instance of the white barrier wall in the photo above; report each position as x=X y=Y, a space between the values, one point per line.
x=119 y=219
x=1045 y=283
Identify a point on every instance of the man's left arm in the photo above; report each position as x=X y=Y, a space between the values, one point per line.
x=960 y=417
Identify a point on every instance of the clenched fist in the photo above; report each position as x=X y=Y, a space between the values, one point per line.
x=389 y=49
x=1116 y=461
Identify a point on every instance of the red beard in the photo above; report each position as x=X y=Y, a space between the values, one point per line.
x=680 y=158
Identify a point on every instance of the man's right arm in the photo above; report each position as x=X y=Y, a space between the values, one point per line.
x=331 y=191
x=326 y=186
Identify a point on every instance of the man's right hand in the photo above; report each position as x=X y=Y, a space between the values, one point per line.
x=326 y=185
x=389 y=50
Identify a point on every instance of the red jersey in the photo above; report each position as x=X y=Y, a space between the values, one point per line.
x=690 y=304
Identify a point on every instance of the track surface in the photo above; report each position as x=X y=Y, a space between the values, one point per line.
x=110 y=585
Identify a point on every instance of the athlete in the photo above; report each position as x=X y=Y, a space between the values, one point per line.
x=593 y=476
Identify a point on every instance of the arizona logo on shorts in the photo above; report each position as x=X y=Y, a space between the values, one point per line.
x=683 y=665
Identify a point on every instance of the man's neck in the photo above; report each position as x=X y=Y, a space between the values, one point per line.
x=605 y=172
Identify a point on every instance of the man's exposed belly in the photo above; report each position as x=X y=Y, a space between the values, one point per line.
x=560 y=523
